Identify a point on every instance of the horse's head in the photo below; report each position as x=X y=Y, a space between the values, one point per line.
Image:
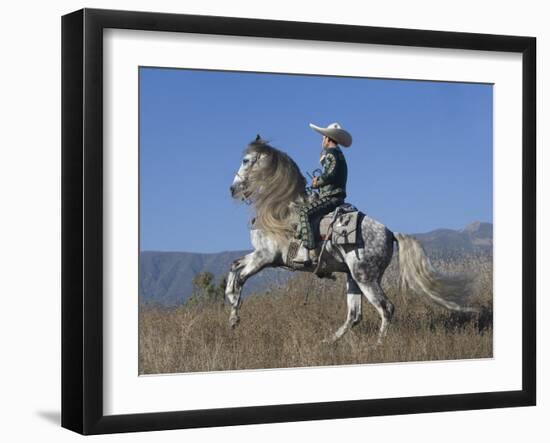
x=253 y=162
x=271 y=181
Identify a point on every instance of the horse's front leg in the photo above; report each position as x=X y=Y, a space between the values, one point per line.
x=241 y=270
x=233 y=291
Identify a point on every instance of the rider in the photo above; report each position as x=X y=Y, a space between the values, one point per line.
x=331 y=184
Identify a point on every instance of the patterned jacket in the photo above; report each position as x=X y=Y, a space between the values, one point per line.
x=332 y=182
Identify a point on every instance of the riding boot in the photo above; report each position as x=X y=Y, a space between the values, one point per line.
x=302 y=257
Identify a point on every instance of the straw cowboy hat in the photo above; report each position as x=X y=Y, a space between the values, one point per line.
x=335 y=132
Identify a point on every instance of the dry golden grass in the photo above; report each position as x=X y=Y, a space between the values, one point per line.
x=278 y=330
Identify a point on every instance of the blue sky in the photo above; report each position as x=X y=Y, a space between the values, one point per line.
x=421 y=157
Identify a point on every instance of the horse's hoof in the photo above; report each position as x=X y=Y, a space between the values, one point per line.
x=233 y=322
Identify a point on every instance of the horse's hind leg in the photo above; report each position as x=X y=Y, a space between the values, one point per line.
x=354 y=310
x=377 y=297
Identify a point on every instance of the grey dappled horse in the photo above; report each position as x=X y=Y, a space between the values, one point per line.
x=271 y=181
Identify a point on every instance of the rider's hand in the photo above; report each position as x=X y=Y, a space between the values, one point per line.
x=314 y=182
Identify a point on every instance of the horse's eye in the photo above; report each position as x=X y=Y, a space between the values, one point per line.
x=245 y=161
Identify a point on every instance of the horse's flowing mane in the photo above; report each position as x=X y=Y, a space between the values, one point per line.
x=274 y=184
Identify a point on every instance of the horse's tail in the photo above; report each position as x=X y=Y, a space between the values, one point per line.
x=418 y=274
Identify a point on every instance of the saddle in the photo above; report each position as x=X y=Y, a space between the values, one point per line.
x=339 y=226
x=341 y=229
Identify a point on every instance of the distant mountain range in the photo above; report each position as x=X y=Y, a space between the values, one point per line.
x=475 y=238
x=166 y=277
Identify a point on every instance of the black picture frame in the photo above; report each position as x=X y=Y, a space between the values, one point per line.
x=82 y=218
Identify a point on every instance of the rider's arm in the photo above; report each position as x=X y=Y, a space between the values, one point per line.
x=330 y=170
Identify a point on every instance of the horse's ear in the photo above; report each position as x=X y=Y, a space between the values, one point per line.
x=258 y=138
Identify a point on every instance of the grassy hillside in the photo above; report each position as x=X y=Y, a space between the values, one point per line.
x=279 y=329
